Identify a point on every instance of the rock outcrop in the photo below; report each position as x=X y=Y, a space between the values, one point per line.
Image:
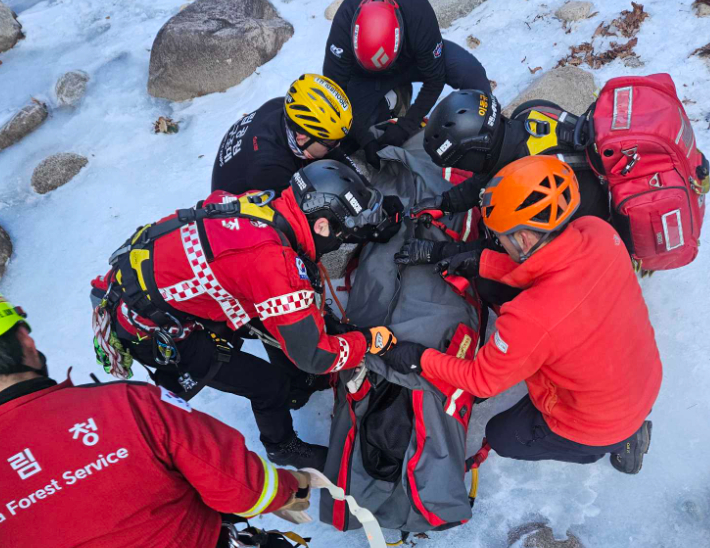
x=212 y=45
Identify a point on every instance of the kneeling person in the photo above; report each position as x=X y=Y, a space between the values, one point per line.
x=263 y=150
x=228 y=261
x=578 y=334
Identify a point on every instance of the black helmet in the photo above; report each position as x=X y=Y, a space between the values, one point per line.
x=467 y=121
x=329 y=189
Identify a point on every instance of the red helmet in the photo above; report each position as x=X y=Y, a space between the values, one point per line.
x=377 y=34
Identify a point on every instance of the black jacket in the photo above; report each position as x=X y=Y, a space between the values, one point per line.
x=422 y=48
x=594 y=195
x=255 y=155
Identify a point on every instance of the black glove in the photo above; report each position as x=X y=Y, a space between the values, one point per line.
x=466 y=195
x=394 y=135
x=415 y=251
x=333 y=325
x=435 y=203
x=371 y=149
x=405 y=357
x=464 y=264
x=393 y=207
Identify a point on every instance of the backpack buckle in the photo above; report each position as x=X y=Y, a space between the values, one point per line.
x=542 y=128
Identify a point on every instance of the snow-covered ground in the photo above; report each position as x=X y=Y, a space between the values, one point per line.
x=63 y=239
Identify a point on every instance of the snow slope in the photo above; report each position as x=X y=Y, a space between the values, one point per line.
x=63 y=239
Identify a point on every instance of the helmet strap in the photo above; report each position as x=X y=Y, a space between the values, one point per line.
x=523 y=256
x=297 y=150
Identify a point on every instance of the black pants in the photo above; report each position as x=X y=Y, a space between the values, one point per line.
x=522 y=433
x=367 y=93
x=268 y=386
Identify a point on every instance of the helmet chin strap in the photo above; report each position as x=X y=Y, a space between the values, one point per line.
x=523 y=256
x=297 y=150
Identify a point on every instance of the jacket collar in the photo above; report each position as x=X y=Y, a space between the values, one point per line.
x=287 y=206
x=546 y=260
x=27 y=391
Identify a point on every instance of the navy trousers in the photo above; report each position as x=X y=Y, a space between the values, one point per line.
x=522 y=433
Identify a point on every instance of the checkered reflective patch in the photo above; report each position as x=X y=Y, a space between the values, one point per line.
x=343 y=355
x=207 y=279
x=182 y=291
x=285 y=304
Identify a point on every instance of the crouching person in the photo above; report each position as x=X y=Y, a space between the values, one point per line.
x=120 y=464
x=229 y=261
x=578 y=334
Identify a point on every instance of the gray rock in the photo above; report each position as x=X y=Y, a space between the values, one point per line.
x=538 y=535
x=22 y=123
x=336 y=261
x=330 y=10
x=71 y=87
x=213 y=45
x=56 y=170
x=10 y=28
x=574 y=11
x=360 y=161
x=5 y=250
x=570 y=87
x=701 y=9
x=447 y=11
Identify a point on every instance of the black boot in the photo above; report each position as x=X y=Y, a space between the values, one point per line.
x=630 y=460
x=297 y=453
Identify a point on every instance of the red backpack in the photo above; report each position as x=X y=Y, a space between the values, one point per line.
x=645 y=148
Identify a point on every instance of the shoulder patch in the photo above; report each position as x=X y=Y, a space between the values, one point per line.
x=500 y=343
x=438 y=49
x=301 y=267
x=335 y=50
x=168 y=397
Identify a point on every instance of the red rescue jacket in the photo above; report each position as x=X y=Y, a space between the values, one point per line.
x=579 y=336
x=123 y=465
x=253 y=274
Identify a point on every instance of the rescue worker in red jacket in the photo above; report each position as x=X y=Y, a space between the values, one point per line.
x=179 y=289
x=578 y=334
x=467 y=131
x=120 y=464
x=378 y=46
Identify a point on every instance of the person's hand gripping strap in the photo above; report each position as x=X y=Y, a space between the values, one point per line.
x=379 y=340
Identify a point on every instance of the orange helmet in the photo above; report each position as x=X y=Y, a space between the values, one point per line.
x=539 y=193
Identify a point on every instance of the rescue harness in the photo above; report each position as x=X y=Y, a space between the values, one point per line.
x=132 y=283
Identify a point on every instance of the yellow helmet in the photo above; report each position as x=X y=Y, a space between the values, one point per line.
x=319 y=107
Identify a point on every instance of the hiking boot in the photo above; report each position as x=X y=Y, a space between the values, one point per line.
x=630 y=460
x=298 y=453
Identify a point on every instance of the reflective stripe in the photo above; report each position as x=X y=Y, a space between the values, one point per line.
x=469 y=221
x=285 y=304
x=268 y=493
x=343 y=355
x=206 y=277
x=452 y=405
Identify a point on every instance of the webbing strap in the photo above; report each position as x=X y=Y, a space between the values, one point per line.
x=369 y=523
x=473 y=463
x=431 y=216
